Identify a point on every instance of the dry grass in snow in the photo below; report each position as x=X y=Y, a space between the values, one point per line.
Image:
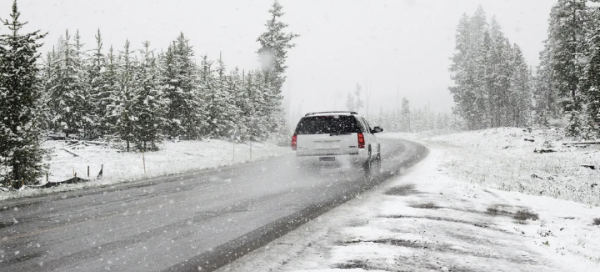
x=504 y=159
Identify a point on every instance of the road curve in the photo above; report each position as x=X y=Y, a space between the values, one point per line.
x=180 y=223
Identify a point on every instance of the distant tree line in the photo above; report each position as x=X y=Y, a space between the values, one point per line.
x=407 y=119
x=137 y=96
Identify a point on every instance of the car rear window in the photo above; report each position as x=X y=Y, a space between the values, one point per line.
x=327 y=125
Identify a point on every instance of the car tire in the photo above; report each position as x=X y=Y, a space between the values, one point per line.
x=377 y=165
x=368 y=166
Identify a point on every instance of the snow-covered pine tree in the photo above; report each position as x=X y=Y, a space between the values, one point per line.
x=266 y=104
x=149 y=107
x=246 y=107
x=545 y=92
x=68 y=90
x=236 y=84
x=477 y=31
x=520 y=90
x=125 y=109
x=257 y=122
x=192 y=115
x=461 y=69
x=108 y=96
x=567 y=22
x=46 y=75
x=481 y=70
x=591 y=77
x=501 y=56
x=220 y=106
x=485 y=101
x=170 y=87
x=20 y=103
x=96 y=66
x=505 y=72
x=87 y=112
x=179 y=80
x=274 y=45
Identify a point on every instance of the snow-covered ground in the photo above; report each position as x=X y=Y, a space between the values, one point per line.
x=446 y=214
x=66 y=160
x=503 y=159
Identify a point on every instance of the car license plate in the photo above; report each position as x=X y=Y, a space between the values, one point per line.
x=327 y=159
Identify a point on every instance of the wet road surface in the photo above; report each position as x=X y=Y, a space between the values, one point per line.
x=180 y=223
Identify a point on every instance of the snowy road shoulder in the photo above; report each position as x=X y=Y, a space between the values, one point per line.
x=88 y=160
x=427 y=221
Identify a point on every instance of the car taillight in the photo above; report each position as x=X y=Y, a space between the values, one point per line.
x=361 y=140
x=294 y=142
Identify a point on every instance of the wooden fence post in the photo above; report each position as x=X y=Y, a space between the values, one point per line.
x=88 y=172
x=144 y=161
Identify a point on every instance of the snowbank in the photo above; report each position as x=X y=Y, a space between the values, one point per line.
x=67 y=160
x=505 y=159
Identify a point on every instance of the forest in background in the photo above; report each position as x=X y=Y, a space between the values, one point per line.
x=138 y=96
x=494 y=86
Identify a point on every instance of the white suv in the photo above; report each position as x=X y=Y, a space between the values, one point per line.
x=339 y=136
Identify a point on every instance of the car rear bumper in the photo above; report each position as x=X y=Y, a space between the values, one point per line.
x=356 y=158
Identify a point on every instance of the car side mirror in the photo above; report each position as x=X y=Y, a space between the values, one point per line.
x=377 y=130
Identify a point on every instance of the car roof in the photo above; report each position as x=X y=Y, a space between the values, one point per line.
x=326 y=113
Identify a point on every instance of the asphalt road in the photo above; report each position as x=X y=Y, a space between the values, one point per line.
x=180 y=223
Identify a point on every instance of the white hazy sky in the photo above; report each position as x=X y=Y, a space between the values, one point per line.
x=401 y=47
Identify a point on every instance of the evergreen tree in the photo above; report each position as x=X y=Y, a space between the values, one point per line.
x=480 y=43
x=20 y=103
x=520 y=90
x=179 y=80
x=256 y=121
x=47 y=73
x=461 y=69
x=591 y=77
x=246 y=108
x=221 y=111
x=483 y=69
x=545 y=91
x=236 y=84
x=125 y=109
x=68 y=90
x=274 y=46
x=108 y=96
x=565 y=31
x=149 y=102
x=96 y=67
x=86 y=109
x=275 y=43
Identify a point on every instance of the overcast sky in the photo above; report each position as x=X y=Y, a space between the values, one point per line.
x=401 y=47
